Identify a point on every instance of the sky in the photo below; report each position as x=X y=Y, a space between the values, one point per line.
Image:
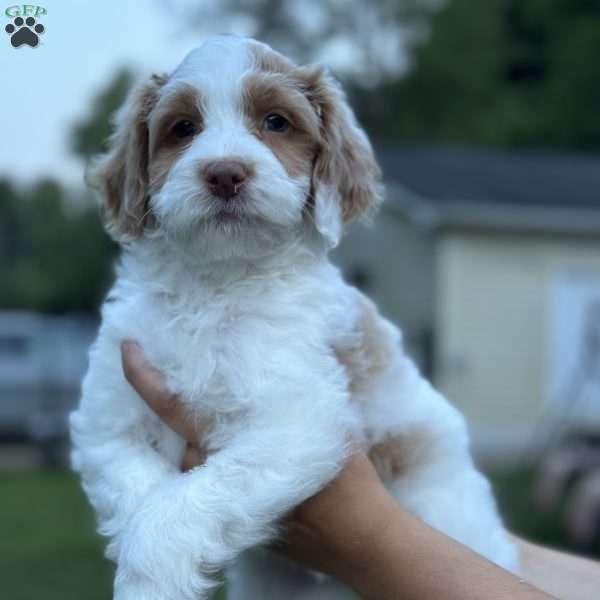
x=44 y=90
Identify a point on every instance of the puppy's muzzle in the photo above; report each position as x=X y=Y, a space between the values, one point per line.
x=225 y=178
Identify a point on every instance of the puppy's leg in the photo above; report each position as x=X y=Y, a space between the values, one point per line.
x=117 y=476
x=201 y=521
x=114 y=446
x=420 y=447
x=417 y=440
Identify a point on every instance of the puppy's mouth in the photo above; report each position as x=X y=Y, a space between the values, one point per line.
x=232 y=209
x=226 y=217
x=235 y=212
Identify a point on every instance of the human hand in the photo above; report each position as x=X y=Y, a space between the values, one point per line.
x=150 y=385
x=333 y=531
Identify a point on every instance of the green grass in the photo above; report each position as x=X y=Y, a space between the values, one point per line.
x=48 y=547
x=513 y=491
x=49 y=550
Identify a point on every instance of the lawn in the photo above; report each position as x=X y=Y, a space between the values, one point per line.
x=48 y=548
x=513 y=491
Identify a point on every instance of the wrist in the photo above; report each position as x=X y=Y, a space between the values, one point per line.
x=364 y=542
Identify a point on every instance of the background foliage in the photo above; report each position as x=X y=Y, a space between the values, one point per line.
x=55 y=257
x=501 y=72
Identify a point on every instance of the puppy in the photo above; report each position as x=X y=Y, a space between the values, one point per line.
x=227 y=183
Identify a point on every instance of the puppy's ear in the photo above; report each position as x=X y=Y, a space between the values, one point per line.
x=122 y=174
x=346 y=176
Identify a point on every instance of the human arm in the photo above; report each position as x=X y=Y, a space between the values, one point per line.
x=334 y=532
x=355 y=530
x=563 y=575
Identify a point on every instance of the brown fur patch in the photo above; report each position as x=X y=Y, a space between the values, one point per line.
x=184 y=103
x=396 y=454
x=122 y=174
x=266 y=93
x=368 y=352
x=345 y=159
x=160 y=166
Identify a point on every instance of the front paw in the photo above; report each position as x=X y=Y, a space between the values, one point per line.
x=153 y=565
x=129 y=586
x=174 y=583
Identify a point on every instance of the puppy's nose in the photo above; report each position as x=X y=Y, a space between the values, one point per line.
x=225 y=178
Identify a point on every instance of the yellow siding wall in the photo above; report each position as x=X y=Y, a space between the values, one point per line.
x=491 y=320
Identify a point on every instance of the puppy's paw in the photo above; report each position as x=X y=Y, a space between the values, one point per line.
x=128 y=587
x=175 y=585
x=157 y=563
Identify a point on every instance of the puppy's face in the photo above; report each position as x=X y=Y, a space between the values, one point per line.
x=237 y=145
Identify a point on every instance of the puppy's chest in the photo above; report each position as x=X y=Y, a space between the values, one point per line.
x=222 y=352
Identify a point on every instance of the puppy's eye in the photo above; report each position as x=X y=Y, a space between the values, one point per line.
x=184 y=129
x=277 y=123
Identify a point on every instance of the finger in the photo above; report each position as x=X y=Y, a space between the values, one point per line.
x=192 y=458
x=150 y=384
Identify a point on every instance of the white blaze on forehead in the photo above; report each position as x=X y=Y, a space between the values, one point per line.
x=216 y=69
x=219 y=56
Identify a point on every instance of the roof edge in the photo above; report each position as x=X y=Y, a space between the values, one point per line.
x=507 y=217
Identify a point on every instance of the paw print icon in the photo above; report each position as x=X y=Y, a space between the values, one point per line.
x=24 y=31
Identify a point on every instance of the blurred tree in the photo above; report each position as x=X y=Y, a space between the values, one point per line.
x=89 y=136
x=503 y=72
x=9 y=221
x=53 y=259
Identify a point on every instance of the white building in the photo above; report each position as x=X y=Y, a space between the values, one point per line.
x=490 y=262
x=42 y=361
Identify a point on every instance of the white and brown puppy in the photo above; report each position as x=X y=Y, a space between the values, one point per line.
x=227 y=183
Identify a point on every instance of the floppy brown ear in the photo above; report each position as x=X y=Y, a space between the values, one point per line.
x=346 y=176
x=122 y=174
